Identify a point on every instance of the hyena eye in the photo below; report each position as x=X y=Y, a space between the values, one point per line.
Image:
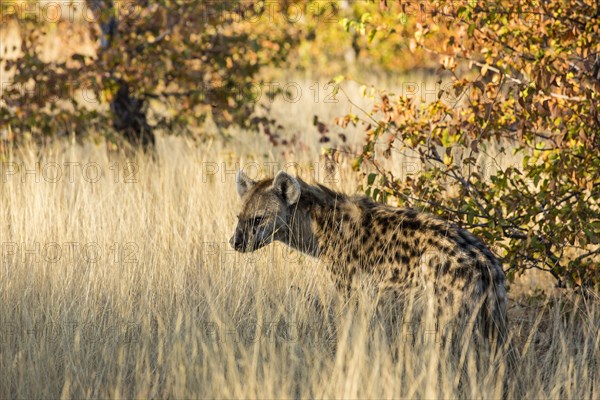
x=257 y=221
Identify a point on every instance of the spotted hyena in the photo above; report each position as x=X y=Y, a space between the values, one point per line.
x=405 y=250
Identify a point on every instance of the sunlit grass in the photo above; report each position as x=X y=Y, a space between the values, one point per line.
x=126 y=287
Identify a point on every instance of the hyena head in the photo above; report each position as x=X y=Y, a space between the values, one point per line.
x=267 y=210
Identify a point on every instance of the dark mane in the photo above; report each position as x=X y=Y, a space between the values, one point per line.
x=320 y=195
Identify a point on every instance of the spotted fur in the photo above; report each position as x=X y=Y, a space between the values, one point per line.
x=405 y=250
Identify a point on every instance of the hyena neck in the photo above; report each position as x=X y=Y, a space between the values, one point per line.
x=316 y=219
x=301 y=236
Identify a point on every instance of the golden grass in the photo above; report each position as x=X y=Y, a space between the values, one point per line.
x=126 y=287
x=133 y=292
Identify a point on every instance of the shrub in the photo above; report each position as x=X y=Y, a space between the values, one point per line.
x=193 y=58
x=524 y=74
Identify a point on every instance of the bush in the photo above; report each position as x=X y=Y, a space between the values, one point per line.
x=193 y=58
x=529 y=75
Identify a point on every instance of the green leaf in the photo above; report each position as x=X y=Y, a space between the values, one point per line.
x=403 y=18
x=372 y=34
x=375 y=193
x=371 y=178
x=471 y=29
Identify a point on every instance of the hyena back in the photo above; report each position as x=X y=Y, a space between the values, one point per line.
x=407 y=251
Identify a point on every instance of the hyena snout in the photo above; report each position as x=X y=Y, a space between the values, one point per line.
x=238 y=241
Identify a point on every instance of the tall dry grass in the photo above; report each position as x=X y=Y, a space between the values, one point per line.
x=126 y=287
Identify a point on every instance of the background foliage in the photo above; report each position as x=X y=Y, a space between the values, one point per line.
x=525 y=75
x=195 y=57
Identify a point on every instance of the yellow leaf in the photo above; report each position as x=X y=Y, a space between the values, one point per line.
x=448 y=159
x=363 y=91
x=484 y=69
x=339 y=79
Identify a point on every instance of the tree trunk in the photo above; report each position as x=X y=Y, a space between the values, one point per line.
x=129 y=118
x=129 y=115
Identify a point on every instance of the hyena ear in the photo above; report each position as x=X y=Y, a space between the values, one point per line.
x=287 y=187
x=243 y=183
